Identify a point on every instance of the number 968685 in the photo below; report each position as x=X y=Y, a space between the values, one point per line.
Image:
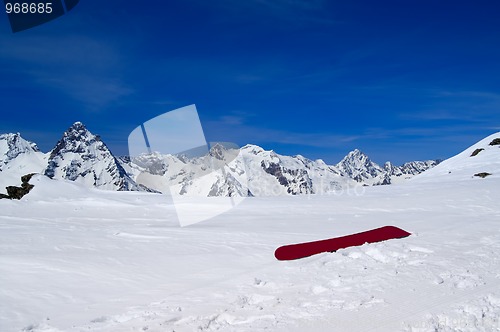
x=28 y=8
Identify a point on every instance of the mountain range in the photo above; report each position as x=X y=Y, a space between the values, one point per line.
x=83 y=157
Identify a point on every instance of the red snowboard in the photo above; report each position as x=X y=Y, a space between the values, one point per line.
x=301 y=250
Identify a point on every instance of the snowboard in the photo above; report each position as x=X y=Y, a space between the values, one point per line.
x=301 y=250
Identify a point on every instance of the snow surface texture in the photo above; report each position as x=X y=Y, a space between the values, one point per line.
x=79 y=259
x=83 y=157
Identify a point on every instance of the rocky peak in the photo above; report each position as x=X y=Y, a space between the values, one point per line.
x=12 y=145
x=218 y=151
x=359 y=166
x=77 y=139
x=81 y=155
x=78 y=132
x=357 y=157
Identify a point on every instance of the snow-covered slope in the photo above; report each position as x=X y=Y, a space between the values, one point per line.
x=482 y=157
x=80 y=259
x=82 y=157
x=18 y=157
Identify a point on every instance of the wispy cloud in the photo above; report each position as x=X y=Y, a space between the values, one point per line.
x=84 y=69
x=295 y=12
x=243 y=130
x=475 y=107
x=94 y=92
x=231 y=120
x=473 y=94
x=287 y=5
x=237 y=129
x=249 y=78
x=438 y=115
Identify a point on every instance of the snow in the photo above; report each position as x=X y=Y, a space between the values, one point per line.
x=463 y=166
x=18 y=157
x=263 y=173
x=226 y=171
x=80 y=259
x=82 y=157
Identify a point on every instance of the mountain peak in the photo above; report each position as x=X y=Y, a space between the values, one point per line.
x=218 y=151
x=357 y=158
x=81 y=155
x=253 y=149
x=359 y=167
x=77 y=126
x=77 y=130
x=12 y=145
x=356 y=153
x=76 y=139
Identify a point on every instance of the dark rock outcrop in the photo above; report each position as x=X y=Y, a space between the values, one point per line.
x=496 y=141
x=476 y=152
x=14 y=192
x=482 y=174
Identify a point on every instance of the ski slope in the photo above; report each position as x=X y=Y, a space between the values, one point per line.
x=79 y=259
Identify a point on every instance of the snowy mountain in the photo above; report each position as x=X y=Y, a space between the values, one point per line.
x=271 y=174
x=13 y=145
x=361 y=168
x=481 y=160
x=82 y=157
x=249 y=171
x=18 y=157
x=394 y=174
x=224 y=171
x=263 y=173
x=216 y=174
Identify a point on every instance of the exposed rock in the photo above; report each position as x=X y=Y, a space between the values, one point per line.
x=496 y=141
x=482 y=174
x=296 y=181
x=476 y=152
x=14 y=192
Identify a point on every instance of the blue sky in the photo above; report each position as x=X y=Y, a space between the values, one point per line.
x=400 y=80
